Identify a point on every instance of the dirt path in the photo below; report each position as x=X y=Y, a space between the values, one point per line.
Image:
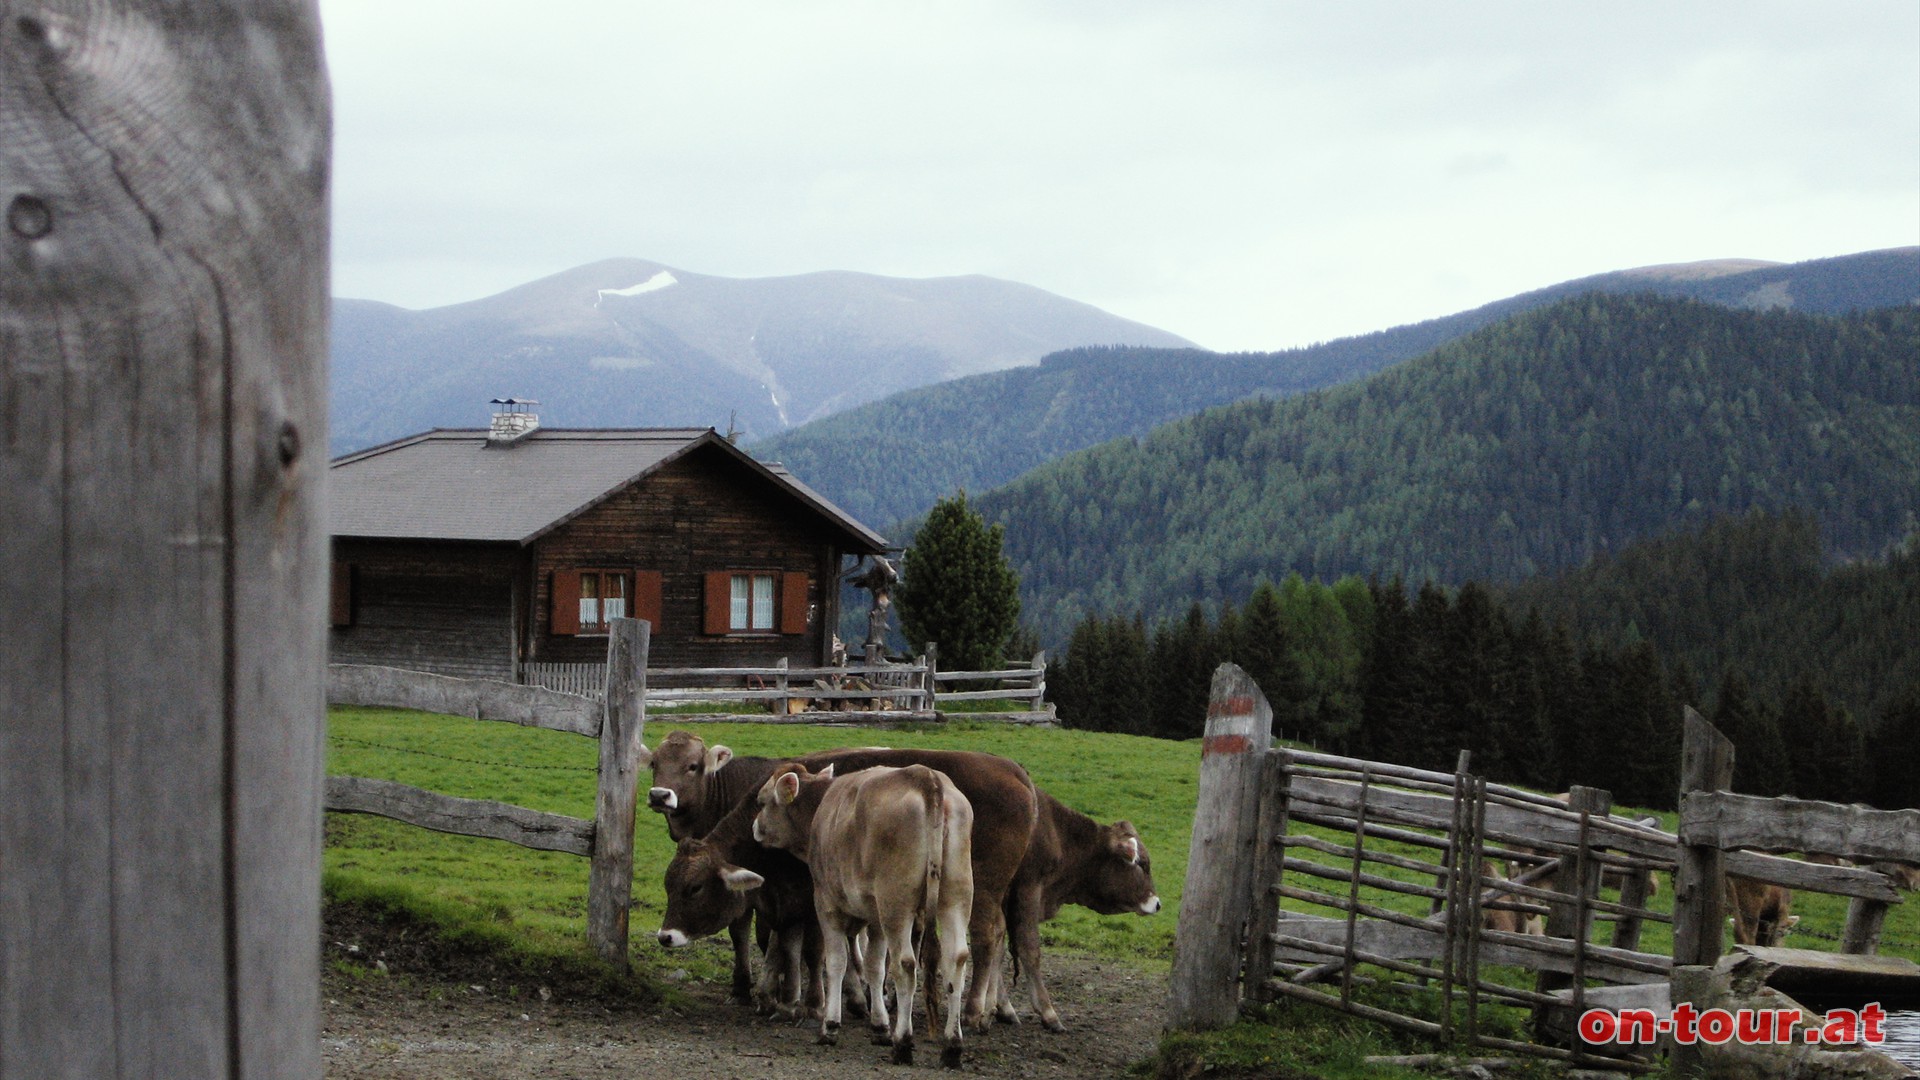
x=390 y=1028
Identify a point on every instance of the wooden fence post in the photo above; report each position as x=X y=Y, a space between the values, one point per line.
x=780 y=683
x=1218 y=896
x=163 y=567
x=1706 y=764
x=1039 y=703
x=1580 y=876
x=610 y=879
x=1864 y=920
x=932 y=685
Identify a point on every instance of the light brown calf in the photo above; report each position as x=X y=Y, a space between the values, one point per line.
x=1762 y=913
x=890 y=849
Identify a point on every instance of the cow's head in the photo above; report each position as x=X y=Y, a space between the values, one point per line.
x=777 y=823
x=680 y=763
x=1119 y=876
x=705 y=893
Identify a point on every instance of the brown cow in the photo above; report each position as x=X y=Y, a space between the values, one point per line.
x=1073 y=859
x=694 y=785
x=716 y=880
x=1004 y=804
x=1504 y=919
x=890 y=850
x=1761 y=912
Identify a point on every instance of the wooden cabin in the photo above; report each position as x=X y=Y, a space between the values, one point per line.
x=488 y=553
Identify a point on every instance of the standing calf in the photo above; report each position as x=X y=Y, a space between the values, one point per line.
x=890 y=849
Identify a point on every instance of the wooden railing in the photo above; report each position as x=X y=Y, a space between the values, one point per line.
x=795 y=694
x=617 y=723
x=1715 y=821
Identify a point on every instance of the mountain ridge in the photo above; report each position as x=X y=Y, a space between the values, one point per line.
x=633 y=342
x=1527 y=446
x=983 y=431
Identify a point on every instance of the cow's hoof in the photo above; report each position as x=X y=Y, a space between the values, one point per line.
x=1054 y=1025
x=1006 y=1016
x=738 y=998
x=880 y=1035
x=976 y=1022
x=829 y=1035
x=903 y=1051
x=950 y=1056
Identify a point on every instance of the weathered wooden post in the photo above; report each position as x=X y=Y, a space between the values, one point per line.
x=1039 y=702
x=1579 y=875
x=1864 y=920
x=1218 y=896
x=163 y=312
x=1699 y=889
x=1699 y=910
x=930 y=686
x=610 y=878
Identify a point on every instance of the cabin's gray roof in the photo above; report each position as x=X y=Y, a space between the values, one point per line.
x=448 y=484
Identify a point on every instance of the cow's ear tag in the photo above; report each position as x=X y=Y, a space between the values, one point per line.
x=740 y=880
x=717 y=756
x=786 y=789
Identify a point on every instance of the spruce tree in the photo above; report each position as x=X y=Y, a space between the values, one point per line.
x=958 y=589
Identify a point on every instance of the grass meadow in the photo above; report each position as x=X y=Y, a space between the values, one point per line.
x=531 y=905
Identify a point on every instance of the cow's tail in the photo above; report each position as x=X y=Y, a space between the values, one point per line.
x=936 y=847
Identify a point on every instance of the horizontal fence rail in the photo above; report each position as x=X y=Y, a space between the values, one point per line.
x=464 y=817
x=481 y=699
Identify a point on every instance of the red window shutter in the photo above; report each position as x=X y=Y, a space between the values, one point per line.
x=646 y=597
x=793 y=603
x=719 y=602
x=341 y=598
x=565 y=612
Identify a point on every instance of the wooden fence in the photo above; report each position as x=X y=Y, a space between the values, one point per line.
x=1393 y=840
x=823 y=694
x=1405 y=887
x=617 y=720
x=1714 y=822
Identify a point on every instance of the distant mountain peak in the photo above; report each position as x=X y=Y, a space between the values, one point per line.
x=634 y=343
x=1698 y=271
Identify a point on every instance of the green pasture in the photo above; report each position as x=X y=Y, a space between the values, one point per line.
x=532 y=905
x=539 y=898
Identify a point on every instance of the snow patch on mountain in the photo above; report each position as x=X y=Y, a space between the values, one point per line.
x=653 y=284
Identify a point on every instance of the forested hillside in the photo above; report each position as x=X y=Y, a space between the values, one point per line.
x=1527 y=447
x=1753 y=598
x=889 y=460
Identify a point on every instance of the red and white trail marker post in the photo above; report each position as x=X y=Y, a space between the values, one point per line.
x=1218 y=896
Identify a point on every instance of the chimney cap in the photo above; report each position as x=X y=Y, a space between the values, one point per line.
x=510 y=401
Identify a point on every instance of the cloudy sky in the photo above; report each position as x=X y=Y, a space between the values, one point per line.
x=1251 y=175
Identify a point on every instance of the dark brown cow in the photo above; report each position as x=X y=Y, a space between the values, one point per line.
x=716 y=880
x=1073 y=859
x=1761 y=912
x=890 y=850
x=1004 y=805
x=694 y=785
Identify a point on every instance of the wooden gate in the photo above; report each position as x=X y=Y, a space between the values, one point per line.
x=1385 y=875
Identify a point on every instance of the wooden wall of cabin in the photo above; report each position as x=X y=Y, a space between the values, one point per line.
x=703 y=513
x=443 y=607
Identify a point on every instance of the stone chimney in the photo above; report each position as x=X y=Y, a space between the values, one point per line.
x=512 y=421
